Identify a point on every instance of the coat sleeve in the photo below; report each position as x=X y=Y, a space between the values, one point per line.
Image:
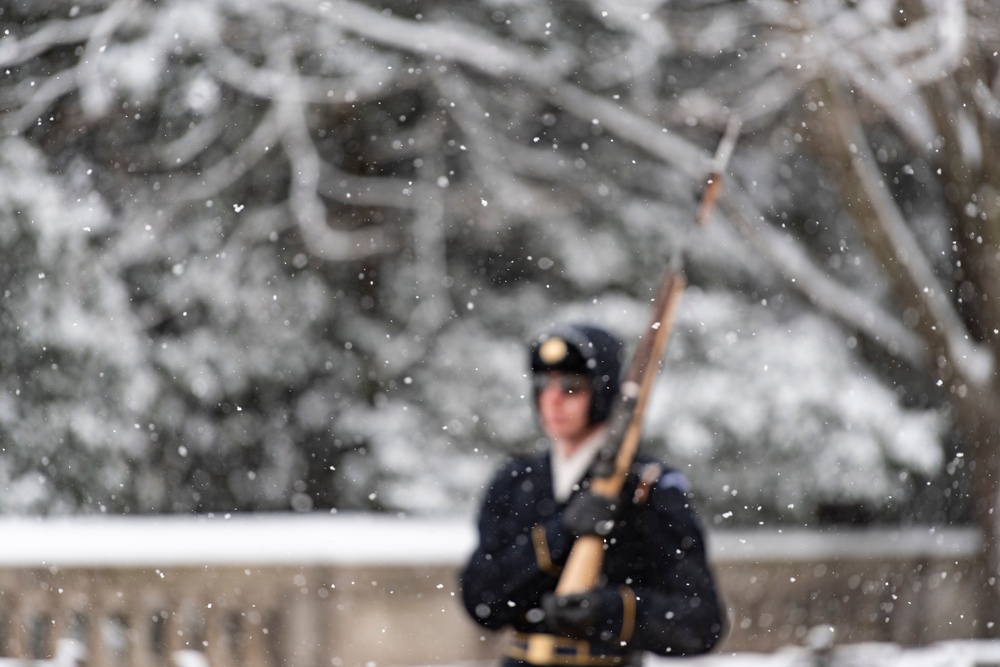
x=517 y=559
x=678 y=611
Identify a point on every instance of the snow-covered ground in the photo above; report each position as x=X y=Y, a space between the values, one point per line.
x=943 y=654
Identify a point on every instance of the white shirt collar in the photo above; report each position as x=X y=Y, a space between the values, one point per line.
x=567 y=471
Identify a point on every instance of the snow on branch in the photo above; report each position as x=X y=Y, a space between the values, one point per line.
x=488 y=156
x=852 y=307
x=36 y=100
x=234 y=165
x=948 y=21
x=369 y=81
x=470 y=46
x=903 y=250
x=390 y=191
x=197 y=139
x=886 y=60
x=15 y=50
x=307 y=209
x=655 y=139
x=94 y=93
x=448 y=41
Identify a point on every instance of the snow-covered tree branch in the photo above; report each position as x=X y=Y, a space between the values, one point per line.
x=324 y=230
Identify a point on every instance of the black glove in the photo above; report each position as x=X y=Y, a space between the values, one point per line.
x=590 y=514
x=596 y=614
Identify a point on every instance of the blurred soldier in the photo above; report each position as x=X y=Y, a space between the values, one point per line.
x=656 y=591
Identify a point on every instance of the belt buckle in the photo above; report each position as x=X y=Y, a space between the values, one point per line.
x=541 y=649
x=547 y=649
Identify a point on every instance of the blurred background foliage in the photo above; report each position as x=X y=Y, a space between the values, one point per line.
x=273 y=254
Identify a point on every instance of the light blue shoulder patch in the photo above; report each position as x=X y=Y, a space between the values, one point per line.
x=674 y=480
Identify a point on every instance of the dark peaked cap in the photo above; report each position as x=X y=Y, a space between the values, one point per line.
x=582 y=348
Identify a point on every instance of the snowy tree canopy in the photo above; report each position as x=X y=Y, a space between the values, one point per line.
x=275 y=253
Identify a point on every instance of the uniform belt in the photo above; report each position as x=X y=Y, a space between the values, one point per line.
x=540 y=649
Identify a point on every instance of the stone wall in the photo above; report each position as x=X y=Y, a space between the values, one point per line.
x=371 y=591
x=909 y=587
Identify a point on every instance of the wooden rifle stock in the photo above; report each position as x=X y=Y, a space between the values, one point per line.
x=584 y=563
x=583 y=567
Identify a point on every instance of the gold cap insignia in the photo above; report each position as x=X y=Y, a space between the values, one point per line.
x=553 y=351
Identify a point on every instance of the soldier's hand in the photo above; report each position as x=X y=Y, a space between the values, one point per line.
x=590 y=514
x=590 y=615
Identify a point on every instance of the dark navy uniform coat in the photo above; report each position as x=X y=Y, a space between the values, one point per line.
x=655 y=555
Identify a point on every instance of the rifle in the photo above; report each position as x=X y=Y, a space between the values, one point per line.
x=614 y=460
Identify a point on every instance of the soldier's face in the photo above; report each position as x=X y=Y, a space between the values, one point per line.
x=564 y=407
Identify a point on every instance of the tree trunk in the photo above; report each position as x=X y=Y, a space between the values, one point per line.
x=978 y=416
x=975 y=394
